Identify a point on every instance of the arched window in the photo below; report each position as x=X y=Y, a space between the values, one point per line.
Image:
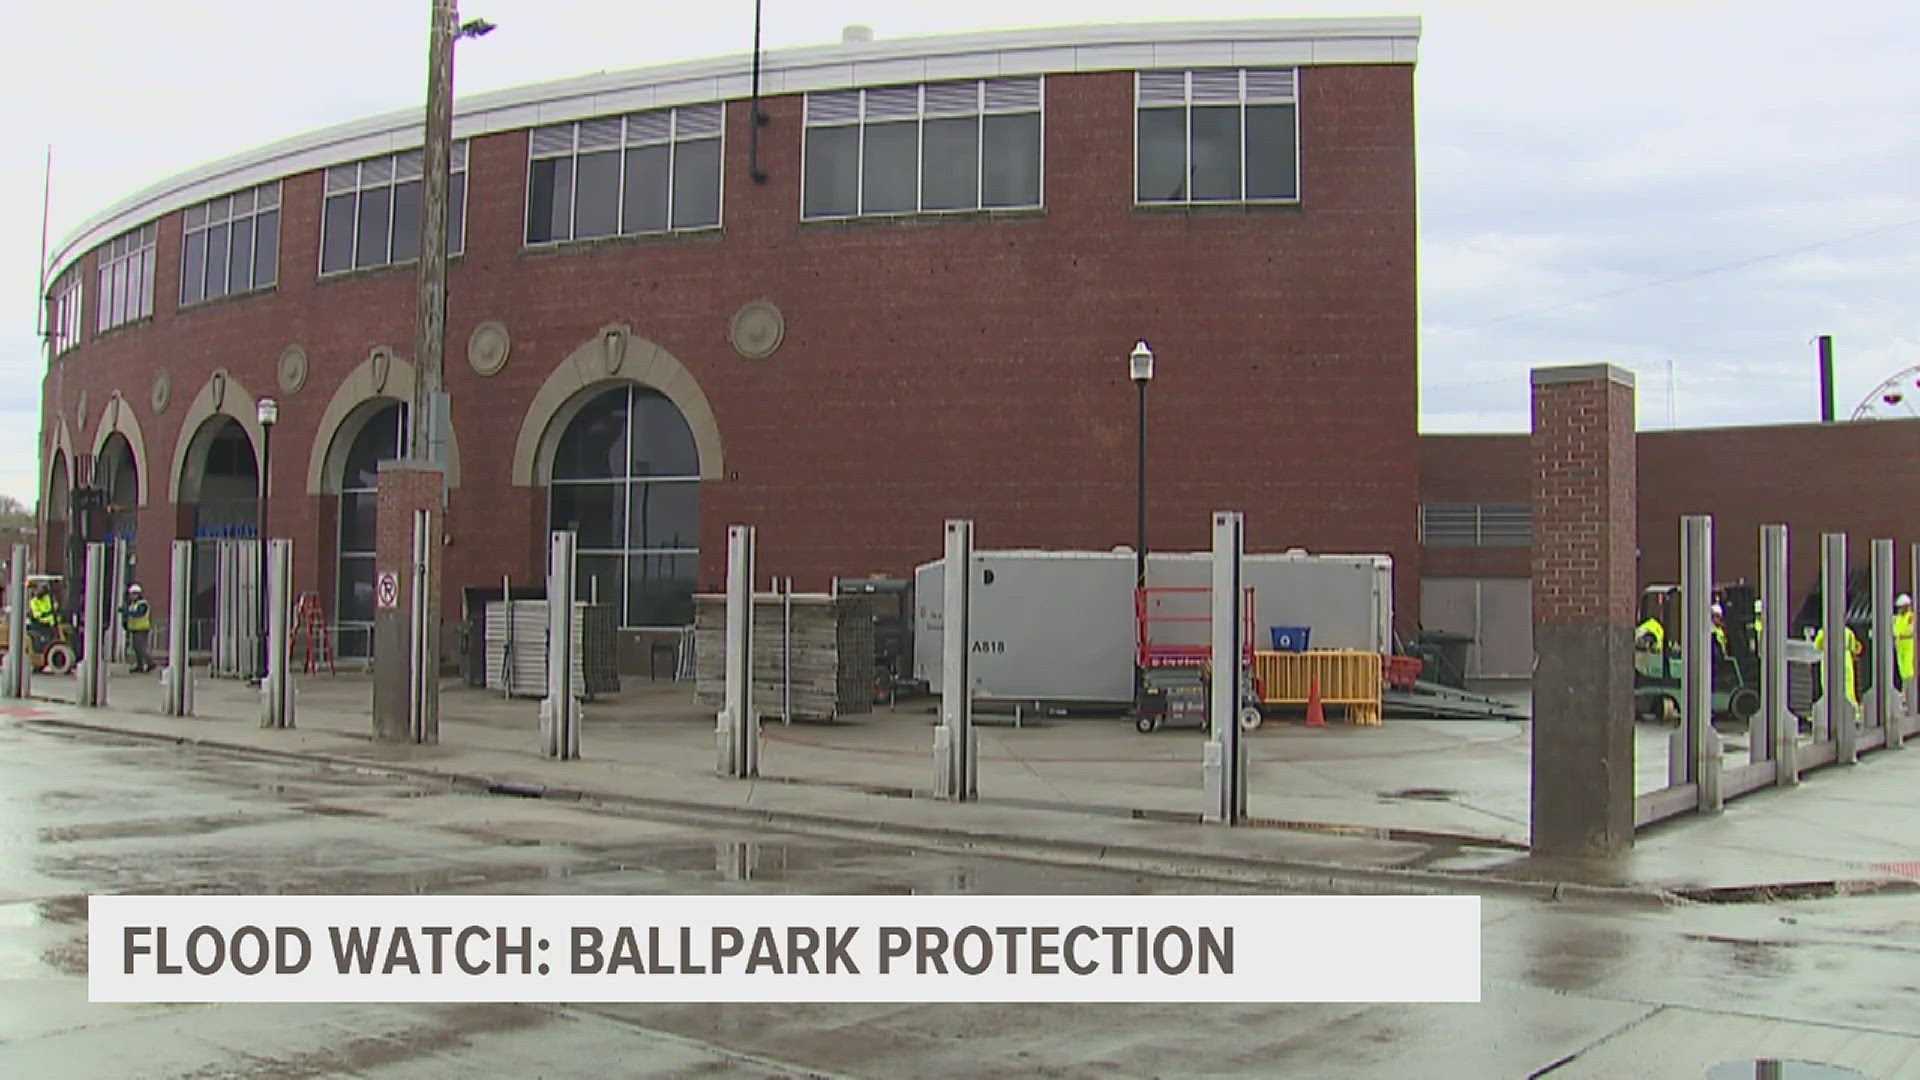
x=626 y=477
x=228 y=507
x=379 y=439
x=119 y=479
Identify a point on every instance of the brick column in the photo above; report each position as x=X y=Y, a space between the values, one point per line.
x=1584 y=581
x=404 y=487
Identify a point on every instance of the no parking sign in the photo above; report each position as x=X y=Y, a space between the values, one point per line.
x=388 y=589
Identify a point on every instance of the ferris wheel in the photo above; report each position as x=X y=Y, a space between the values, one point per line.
x=1897 y=398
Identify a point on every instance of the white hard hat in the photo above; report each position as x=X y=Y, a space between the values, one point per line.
x=1903 y=601
x=1717 y=611
x=133 y=588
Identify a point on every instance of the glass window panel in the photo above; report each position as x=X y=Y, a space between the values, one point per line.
x=890 y=170
x=832 y=173
x=1012 y=156
x=950 y=165
x=1162 y=172
x=359 y=518
x=193 y=269
x=1271 y=154
x=645 y=198
x=601 y=578
x=146 y=281
x=457 y=214
x=1216 y=153
x=378 y=440
x=596 y=195
x=660 y=589
x=696 y=184
x=217 y=261
x=594 y=446
x=137 y=285
x=122 y=291
x=664 y=514
x=113 y=299
x=336 y=238
x=371 y=247
x=356 y=590
x=266 y=249
x=550 y=200
x=406 y=221
x=240 y=256
x=662 y=442
x=598 y=512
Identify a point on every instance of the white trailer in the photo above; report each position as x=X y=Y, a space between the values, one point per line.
x=1058 y=626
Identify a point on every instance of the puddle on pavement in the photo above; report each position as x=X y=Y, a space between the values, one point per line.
x=1775 y=1069
x=151 y=828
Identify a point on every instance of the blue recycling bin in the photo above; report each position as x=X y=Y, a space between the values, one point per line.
x=1289 y=638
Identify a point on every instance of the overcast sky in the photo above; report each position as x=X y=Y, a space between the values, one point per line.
x=1692 y=187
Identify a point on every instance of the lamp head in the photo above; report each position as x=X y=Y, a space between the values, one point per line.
x=268 y=412
x=1140 y=363
x=474 y=28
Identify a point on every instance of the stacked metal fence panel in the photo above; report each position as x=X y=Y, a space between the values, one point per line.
x=820 y=670
x=516 y=649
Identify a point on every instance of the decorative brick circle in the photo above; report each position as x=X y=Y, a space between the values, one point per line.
x=489 y=348
x=162 y=392
x=758 y=329
x=293 y=369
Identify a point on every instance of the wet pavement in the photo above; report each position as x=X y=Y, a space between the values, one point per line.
x=1570 y=990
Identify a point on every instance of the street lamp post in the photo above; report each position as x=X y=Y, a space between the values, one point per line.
x=1140 y=367
x=268 y=413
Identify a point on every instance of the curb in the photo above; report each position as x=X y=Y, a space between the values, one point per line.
x=1146 y=859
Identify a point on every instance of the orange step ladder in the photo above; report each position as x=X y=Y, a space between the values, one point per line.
x=310 y=621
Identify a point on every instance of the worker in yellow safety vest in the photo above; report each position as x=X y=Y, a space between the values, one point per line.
x=1650 y=636
x=1759 y=625
x=1854 y=649
x=136 y=616
x=1720 y=628
x=1903 y=637
x=42 y=617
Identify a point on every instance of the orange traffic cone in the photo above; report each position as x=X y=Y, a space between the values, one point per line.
x=1316 y=715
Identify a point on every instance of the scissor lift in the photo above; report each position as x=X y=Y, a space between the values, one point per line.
x=1176 y=678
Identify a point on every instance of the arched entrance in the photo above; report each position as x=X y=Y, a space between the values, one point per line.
x=53 y=539
x=375 y=433
x=221 y=480
x=118 y=475
x=624 y=473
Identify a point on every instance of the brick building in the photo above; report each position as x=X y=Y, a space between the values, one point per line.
x=920 y=308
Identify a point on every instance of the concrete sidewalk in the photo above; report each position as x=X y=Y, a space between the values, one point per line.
x=1428 y=804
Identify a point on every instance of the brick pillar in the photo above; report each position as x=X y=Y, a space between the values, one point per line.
x=404 y=487
x=1584 y=550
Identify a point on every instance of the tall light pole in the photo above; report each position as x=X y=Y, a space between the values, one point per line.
x=1140 y=367
x=268 y=413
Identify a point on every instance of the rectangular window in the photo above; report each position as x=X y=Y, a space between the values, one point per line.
x=650 y=172
x=63 y=310
x=230 y=245
x=126 y=277
x=1476 y=525
x=371 y=217
x=1216 y=136
x=933 y=148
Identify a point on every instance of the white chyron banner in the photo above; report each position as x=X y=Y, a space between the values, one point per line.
x=1172 y=949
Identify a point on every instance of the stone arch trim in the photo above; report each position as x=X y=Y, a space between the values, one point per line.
x=586 y=368
x=118 y=418
x=235 y=401
x=352 y=403
x=60 y=446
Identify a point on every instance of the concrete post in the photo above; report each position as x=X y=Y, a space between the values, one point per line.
x=956 y=746
x=1696 y=659
x=276 y=686
x=1885 y=714
x=1781 y=728
x=16 y=679
x=739 y=721
x=1584 y=599
x=560 y=710
x=1841 y=722
x=1226 y=759
x=96 y=612
x=178 y=679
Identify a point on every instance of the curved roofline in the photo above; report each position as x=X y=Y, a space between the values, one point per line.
x=1056 y=50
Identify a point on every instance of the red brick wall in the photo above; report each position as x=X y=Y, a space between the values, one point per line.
x=1583 y=497
x=1813 y=477
x=931 y=368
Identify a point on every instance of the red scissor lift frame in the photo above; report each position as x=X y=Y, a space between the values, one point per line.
x=1148 y=655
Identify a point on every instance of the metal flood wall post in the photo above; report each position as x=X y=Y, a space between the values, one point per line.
x=120 y=563
x=560 y=710
x=739 y=722
x=1911 y=700
x=1885 y=714
x=423 y=650
x=1226 y=760
x=786 y=653
x=1780 y=729
x=178 y=679
x=956 y=746
x=1696 y=658
x=1841 y=722
x=16 y=679
x=276 y=686
x=95 y=614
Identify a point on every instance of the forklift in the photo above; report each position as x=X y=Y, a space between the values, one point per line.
x=1736 y=669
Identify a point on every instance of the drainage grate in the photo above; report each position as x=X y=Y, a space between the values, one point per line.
x=1428 y=794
